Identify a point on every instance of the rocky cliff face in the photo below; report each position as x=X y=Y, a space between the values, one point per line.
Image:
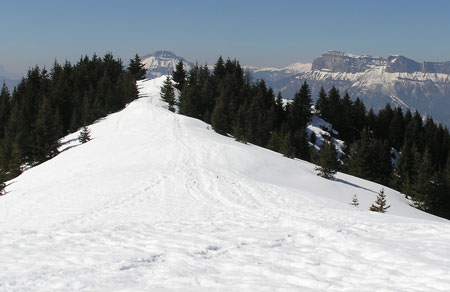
x=396 y=79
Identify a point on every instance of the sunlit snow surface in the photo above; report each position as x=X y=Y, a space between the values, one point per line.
x=159 y=202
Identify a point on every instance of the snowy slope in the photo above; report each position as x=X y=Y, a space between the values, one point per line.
x=159 y=202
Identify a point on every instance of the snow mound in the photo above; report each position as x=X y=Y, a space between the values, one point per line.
x=159 y=202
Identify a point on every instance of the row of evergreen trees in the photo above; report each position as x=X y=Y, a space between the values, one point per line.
x=45 y=106
x=392 y=147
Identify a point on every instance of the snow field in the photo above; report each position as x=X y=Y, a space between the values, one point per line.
x=159 y=202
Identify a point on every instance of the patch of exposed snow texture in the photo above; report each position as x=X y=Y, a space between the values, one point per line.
x=157 y=201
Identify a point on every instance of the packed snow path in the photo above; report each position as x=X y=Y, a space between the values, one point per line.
x=159 y=202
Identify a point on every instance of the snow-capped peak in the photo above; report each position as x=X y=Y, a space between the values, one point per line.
x=162 y=62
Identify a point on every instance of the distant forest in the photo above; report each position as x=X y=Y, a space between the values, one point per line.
x=392 y=147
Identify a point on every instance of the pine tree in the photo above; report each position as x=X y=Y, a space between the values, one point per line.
x=136 y=68
x=179 y=75
x=328 y=161
x=168 y=93
x=274 y=142
x=287 y=147
x=239 y=132
x=355 y=201
x=322 y=103
x=219 y=118
x=300 y=113
x=85 y=135
x=5 y=98
x=15 y=162
x=380 y=204
x=2 y=183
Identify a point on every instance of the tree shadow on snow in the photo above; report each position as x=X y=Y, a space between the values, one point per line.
x=353 y=185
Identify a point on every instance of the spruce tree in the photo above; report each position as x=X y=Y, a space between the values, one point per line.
x=322 y=103
x=15 y=162
x=179 y=75
x=2 y=182
x=274 y=142
x=287 y=147
x=328 y=161
x=5 y=99
x=85 y=135
x=168 y=93
x=219 y=118
x=355 y=201
x=300 y=113
x=136 y=68
x=380 y=204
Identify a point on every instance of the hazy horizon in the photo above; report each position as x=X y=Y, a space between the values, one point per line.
x=257 y=33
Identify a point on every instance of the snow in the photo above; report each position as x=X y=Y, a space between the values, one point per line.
x=321 y=129
x=291 y=69
x=377 y=77
x=159 y=202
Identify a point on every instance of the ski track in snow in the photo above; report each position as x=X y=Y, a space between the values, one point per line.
x=158 y=202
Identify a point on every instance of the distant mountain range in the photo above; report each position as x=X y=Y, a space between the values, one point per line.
x=162 y=62
x=11 y=79
x=396 y=79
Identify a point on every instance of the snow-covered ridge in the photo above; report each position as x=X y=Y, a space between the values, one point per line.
x=160 y=202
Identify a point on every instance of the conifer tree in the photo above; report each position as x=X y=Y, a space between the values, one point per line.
x=274 y=142
x=136 y=68
x=219 y=118
x=179 y=75
x=380 y=204
x=168 y=93
x=322 y=103
x=85 y=135
x=45 y=134
x=15 y=162
x=287 y=147
x=355 y=201
x=300 y=113
x=219 y=69
x=5 y=99
x=301 y=145
x=328 y=161
x=2 y=183
x=239 y=132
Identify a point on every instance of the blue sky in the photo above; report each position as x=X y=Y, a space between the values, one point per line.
x=258 y=33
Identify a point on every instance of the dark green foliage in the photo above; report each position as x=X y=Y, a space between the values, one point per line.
x=380 y=204
x=370 y=159
x=322 y=103
x=136 y=68
x=168 y=93
x=328 y=160
x=47 y=105
x=219 y=118
x=5 y=100
x=274 y=142
x=2 y=182
x=287 y=147
x=85 y=135
x=179 y=75
x=15 y=162
x=300 y=109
